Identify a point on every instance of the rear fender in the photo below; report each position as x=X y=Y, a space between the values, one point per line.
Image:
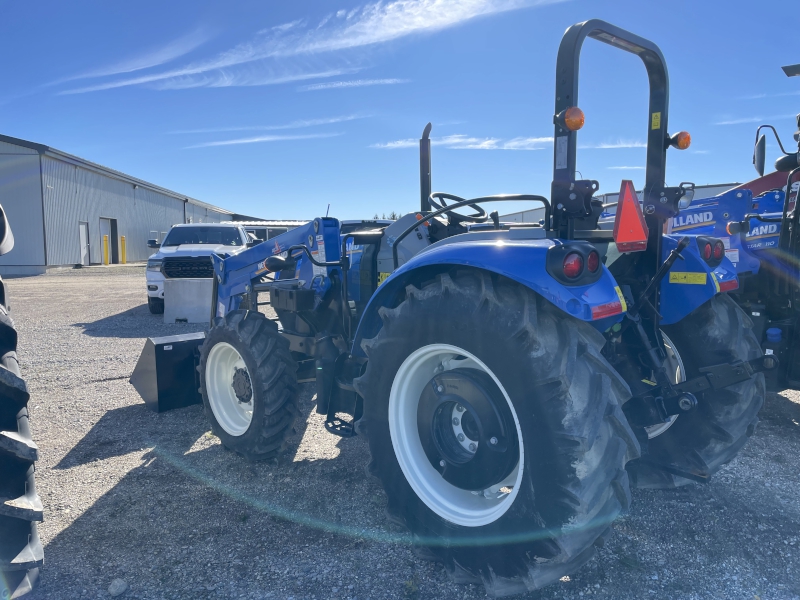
x=599 y=303
x=691 y=282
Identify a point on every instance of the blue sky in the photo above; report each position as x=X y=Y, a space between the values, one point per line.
x=277 y=109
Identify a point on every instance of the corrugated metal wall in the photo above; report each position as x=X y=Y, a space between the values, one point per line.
x=6 y=148
x=21 y=197
x=73 y=194
x=201 y=214
x=151 y=211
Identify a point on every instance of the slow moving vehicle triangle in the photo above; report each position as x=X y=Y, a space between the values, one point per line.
x=630 y=229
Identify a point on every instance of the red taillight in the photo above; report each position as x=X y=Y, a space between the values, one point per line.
x=593 y=262
x=707 y=252
x=573 y=265
x=719 y=250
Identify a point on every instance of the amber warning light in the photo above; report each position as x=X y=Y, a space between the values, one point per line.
x=630 y=229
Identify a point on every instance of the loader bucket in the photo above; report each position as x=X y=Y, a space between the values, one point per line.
x=166 y=373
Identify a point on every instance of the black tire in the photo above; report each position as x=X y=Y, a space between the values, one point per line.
x=21 y=553
x=156 y=305
x=568 y=400
x=273 y=378
x=704 y=440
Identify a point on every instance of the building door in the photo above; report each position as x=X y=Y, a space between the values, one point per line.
x=84 y=237
x=105 y=251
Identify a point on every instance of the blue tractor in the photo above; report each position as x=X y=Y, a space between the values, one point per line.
x=512 y=380
x=760 y=229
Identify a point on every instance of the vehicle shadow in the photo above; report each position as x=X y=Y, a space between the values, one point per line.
x=781 y=411
x=190 y=511
x=136 y=322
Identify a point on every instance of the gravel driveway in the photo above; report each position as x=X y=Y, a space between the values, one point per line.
x=154 y=500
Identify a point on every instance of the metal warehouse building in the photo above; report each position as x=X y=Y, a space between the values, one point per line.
x=60 y=207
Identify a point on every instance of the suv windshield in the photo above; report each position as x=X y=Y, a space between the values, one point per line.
x=227 y=236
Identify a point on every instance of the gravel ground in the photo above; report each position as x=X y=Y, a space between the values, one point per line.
x=155 y=501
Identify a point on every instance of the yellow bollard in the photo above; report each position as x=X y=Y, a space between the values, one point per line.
x=122 y=243
x=105 y=249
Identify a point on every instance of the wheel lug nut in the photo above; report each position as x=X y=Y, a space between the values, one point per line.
x=442 y=463
x=440 y=389
x=460 y=437
x=472 y=447
x=460 y=408
x=455 y=421
x=493 y=441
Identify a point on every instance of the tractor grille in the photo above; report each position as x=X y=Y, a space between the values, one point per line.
x=199 y=267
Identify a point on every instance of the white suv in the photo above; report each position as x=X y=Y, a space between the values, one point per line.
x=186 y=253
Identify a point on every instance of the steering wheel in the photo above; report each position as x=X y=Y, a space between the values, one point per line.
x=438 y=201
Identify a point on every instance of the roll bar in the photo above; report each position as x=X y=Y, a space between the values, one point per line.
x=566 y=191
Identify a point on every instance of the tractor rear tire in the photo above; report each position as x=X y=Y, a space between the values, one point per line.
x=569 y=482
x=248 y=380
x=156 y=306
x=704 y=440
x=21 y=553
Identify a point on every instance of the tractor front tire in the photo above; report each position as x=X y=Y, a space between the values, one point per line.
x=702 y=441
x=248 y=380
x=21 y=553
x=460 y=359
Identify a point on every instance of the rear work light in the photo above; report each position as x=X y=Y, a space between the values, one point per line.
x=573 y=265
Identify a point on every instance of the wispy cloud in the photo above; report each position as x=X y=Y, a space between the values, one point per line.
x=464 y=142
x=775 y=95
x=367 y=25
x=382 y=22
x=350 y=84
x=626 y=168
x=758 y=119
x=153 y=58
x=292 y=125
x=220 y=78
x=264 y=138
x=617 y=144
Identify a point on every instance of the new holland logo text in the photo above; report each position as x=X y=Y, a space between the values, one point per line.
x=760 y=231
x=692 y=220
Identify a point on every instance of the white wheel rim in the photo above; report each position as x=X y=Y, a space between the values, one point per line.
x=677 y=374
x=231 y=414
x=459 y=506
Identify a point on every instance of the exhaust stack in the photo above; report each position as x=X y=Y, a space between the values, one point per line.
x=425 y=169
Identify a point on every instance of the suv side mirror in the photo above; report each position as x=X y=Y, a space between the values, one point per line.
x=153 y=244
x=760 y=154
